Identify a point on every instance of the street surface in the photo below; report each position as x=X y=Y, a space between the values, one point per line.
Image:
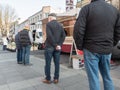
x=19 y=77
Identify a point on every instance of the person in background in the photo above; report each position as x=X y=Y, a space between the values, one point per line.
x=55 y=38
x=96 y=31
x=26 y=41
x=5 y=42
x=18 y=48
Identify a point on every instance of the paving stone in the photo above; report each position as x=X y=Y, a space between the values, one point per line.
x=19 y=85
x=15 y=79
x=29 y=88
x=19 y=77
x=47 y=87
x=4 y=87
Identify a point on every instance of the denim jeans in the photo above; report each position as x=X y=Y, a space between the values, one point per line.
x=26 y=54
x=19 y=55
x=94 y=63
x=49 y=53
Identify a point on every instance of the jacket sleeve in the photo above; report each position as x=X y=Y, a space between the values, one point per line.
x=30 y=36
x=117 y=30
x=80 y=27
x=62 y=38
x=50 y=35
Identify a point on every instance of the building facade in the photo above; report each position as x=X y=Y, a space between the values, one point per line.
x=116 y=3
x=35 y=20
x=81 y=3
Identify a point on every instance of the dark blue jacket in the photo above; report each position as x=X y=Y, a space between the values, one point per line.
x=17 y=41
x=55 y=34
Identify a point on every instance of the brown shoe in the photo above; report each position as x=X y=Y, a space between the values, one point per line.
x=46 y=81
x=55 y=81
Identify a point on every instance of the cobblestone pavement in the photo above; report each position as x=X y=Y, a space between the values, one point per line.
x=19 y=77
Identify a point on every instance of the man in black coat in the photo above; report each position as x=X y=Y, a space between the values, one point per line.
x=18 y=48
x=96 y=31
x=55 y=36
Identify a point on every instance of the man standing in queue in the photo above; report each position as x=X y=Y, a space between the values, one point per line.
x=55 y=36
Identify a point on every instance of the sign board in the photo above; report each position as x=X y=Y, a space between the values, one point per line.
x=69 y=5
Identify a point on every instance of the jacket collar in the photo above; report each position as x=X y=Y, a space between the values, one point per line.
x=97 y=0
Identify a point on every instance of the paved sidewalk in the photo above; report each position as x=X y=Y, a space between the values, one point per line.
x=20 y=77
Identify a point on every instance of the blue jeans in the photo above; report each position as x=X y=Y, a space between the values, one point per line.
x=26 y=54
x=19 y=55
x=49 y=53
x=94 y=63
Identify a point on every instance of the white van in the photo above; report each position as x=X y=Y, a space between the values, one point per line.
x=38 y=36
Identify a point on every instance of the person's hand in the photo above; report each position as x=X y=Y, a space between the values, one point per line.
x=58 y=47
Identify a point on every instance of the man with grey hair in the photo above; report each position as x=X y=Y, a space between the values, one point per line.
x=55 y=36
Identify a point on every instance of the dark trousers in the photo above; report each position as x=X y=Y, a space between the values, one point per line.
x=49 y=53
x=26 y=54
x=19 y=55
x=4 y=47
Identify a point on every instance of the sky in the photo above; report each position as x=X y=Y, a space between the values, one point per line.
x=26 y=8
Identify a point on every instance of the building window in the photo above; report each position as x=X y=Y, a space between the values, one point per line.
x=40 y=16
x=46 y=14
x=35 y=19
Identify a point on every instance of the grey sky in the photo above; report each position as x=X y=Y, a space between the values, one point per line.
x=25 y=8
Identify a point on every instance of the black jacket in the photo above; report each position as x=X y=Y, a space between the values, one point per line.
x=55 y=34
x=97 y=27
x=17 y=41
x=24 y=38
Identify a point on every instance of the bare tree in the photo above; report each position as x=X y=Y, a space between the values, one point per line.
x=7 y=17
x=1 y=25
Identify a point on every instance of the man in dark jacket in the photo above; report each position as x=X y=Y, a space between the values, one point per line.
x=55 y=38
x=18 y=48
x=26 y=41
x=96 y=31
